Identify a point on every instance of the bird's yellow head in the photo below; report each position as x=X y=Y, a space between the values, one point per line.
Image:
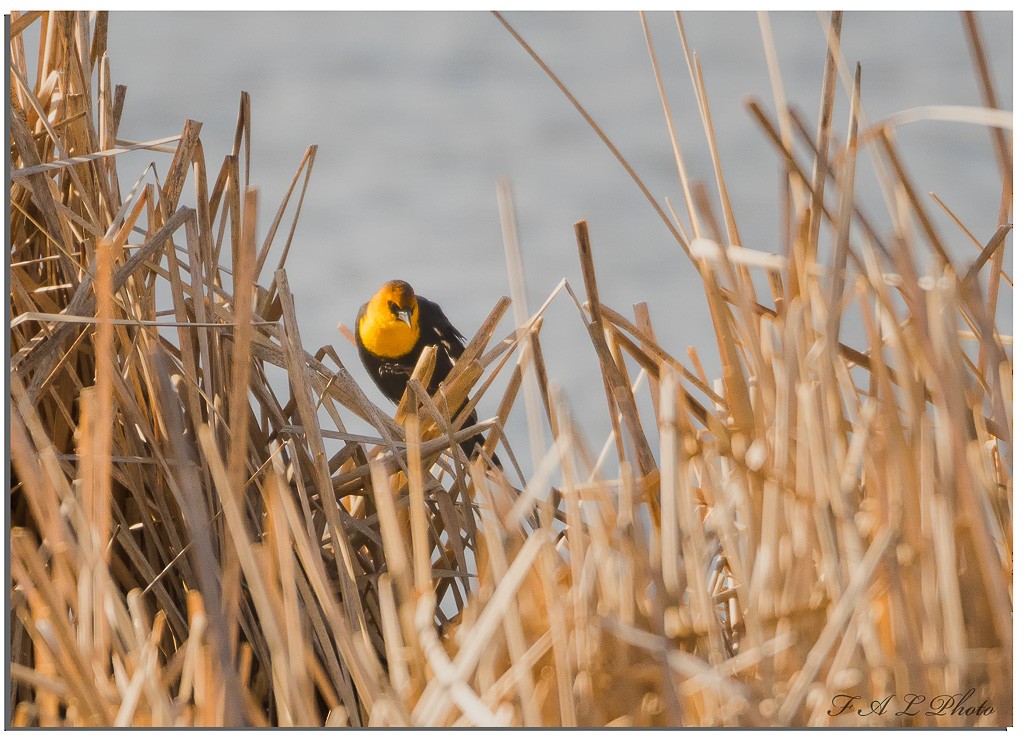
x=391 y=325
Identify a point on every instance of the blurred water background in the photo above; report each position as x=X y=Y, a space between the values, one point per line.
x=417 y=114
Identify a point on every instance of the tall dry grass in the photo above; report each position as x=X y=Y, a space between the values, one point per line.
x=191 y=546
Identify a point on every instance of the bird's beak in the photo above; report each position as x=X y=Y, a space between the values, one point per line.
x=405 y=316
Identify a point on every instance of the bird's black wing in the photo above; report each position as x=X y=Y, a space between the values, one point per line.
x=436 y=328
x=434 y=322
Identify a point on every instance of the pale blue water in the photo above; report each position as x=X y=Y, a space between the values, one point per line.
x=417 y=114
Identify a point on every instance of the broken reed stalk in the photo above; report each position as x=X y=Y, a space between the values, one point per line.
x=192 y=547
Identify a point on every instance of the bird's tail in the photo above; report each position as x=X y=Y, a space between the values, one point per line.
x=470 y=445
x=474 y=445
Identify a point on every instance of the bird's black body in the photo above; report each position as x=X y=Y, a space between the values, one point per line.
x=392 y=373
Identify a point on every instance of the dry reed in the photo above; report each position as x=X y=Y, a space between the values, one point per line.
x=190 y=546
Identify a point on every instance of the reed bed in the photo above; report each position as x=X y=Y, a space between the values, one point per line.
x=191 y=546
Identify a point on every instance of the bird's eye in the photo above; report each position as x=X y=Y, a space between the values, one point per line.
x=392 y=307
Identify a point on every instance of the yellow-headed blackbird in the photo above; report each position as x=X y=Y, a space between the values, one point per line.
x=392 y=330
